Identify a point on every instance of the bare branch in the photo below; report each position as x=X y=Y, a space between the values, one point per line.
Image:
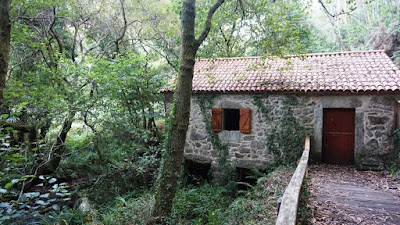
x=55 y=35
x=74 y=42
x=123 y=29
x=207 y=25
x=242 y=8
x=335 y=29
x=327 y=11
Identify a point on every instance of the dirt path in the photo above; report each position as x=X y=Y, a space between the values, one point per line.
x=343 y=195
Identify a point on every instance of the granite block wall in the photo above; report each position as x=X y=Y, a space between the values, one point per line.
x=373 y=129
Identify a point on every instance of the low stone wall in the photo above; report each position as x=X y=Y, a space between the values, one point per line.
x=290 y=200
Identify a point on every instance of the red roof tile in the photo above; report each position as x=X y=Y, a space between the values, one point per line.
x=341 y=71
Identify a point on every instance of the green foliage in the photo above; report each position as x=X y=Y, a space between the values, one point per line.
x=258 y=205
x=304 y=212
x=361 y=25
x=11 y=157
x=113 y=144
x=69 y=216
x=17 y=205
x=128 y=211
x=227 y=171
x=124 y=166
x=199 y=205
x=395 y=157
x=22 y=208
x=286 y=140
x=259 y=27
x=120 y=181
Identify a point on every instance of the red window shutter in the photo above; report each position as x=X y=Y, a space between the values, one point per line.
x=216 y=119
x=245 y=120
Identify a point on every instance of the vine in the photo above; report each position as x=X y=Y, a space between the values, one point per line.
x=285 y=139
x=395 y=168
x=205 y=103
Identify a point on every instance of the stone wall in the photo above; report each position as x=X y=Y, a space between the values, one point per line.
x=373 y=129
x=378 y=123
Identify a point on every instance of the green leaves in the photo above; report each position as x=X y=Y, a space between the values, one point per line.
x=52 y=180
x=8 y=185
x=33 y=203
x=260 y=27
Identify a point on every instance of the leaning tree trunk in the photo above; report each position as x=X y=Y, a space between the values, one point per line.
x=55 y=156
x=173 y=158
x=5 y=29
x=171 y=165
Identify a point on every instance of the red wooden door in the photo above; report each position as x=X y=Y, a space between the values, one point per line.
x=338 y=136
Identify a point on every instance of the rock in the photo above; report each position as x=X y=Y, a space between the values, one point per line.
x=196 y=136
x=233 y=144
x=377 y=127
x=84 y=204
x=308 y=111
x=248 y=138
x=378 y=120
x=257 y=145
x=373 y=144
x=239 y=156
x=378 y=134
x=244 y=150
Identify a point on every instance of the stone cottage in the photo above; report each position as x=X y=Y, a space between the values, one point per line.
x=346 y=102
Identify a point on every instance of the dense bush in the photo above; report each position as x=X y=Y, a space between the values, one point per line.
x=258 y=205
x=197 y=205
x=132 y=211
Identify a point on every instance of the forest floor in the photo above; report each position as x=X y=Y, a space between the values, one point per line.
x=344 y=195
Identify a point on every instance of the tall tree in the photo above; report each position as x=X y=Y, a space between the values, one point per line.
x=173 y=158
x=5 y=29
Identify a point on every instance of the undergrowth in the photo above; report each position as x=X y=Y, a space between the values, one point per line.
x=259 y=204
x=214 y=205
x=304 y=212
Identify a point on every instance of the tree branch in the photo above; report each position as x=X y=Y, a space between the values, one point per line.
x=327 y=11
x=207 y=25
x=55 y=35
x=335 y=29
x=123 y=29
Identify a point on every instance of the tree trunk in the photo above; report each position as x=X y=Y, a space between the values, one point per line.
x=172 y=162
x=23 y=129
x=5 y=29
x=173 y=158
x=55 y=155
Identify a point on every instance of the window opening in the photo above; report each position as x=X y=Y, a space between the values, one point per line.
x=232 y=119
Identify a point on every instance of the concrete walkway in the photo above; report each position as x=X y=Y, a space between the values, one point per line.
x=343 y=195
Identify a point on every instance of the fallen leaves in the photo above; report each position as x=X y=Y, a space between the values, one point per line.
x=344 y=195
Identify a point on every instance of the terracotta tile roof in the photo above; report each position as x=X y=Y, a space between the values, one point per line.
x=341 y=71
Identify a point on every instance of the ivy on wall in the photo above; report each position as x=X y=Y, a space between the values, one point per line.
x=395 y=168
x=285 y=139
x=227 y=172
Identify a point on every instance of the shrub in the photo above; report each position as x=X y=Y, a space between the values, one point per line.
x=132 y=211
x=31 y=207
x=199 y=205
x=259 y=204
